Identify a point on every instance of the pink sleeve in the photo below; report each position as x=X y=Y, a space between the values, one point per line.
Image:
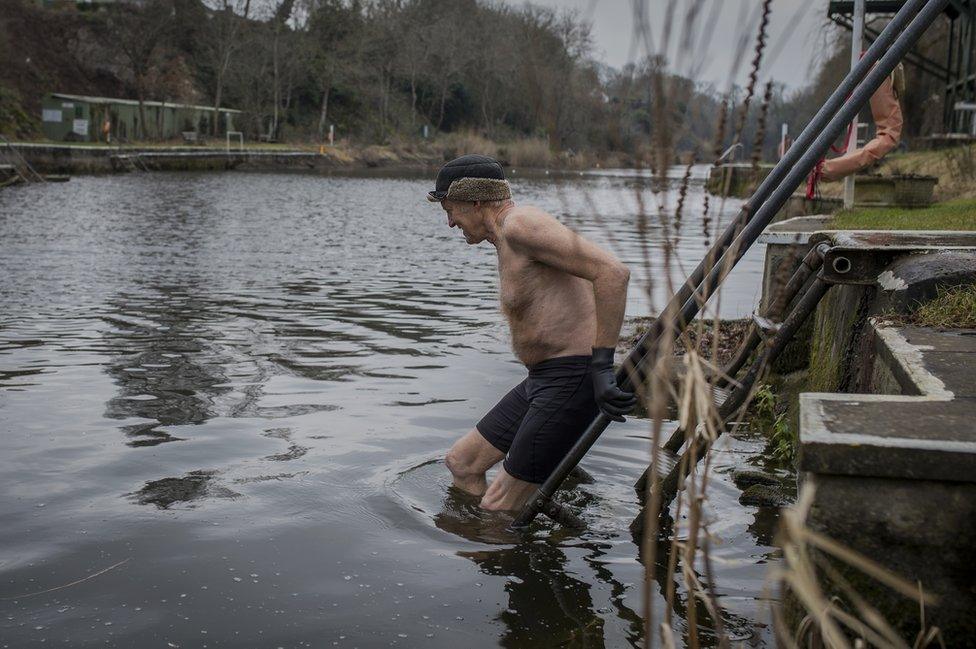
x=886 y=112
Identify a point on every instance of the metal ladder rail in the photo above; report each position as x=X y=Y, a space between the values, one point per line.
x=689 y=290
x=811 y=263
x=787 y=174
x=700 y=445
x=138 y=158
x=795 y=175
x=38 y=177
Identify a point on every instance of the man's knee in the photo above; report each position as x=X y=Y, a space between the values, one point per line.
x=471 y=456
x=459 y=463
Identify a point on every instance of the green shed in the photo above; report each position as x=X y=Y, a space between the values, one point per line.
x=102 y=119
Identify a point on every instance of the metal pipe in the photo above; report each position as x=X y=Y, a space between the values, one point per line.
x=804 y=307
x=823 y=116
x=786 y=175
x=795 y=175
x=857 y=42
x=810 y=263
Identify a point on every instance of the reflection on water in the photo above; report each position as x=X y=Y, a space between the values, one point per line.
x=547 y=606
x=313 y=346
x=193 y=486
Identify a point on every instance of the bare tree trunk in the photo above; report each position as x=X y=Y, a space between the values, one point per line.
x=323 y=114
x=217 y=96
x=413 y=101
x=273 y=134
x=141 y=131
x=382 y=100
x=484 y=112
x=440 y=120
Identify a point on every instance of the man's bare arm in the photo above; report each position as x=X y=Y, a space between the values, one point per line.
x=544 y=239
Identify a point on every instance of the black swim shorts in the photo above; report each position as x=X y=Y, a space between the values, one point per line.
x=540 y=419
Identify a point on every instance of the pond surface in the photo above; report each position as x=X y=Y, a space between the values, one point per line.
x=224 y=404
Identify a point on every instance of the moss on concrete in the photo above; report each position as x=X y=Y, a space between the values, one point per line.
x=824 y=371
x=952 y=215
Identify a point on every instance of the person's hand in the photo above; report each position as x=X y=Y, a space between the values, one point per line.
x=613 y=402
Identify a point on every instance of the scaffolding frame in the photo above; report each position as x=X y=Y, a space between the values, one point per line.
x=957 y=72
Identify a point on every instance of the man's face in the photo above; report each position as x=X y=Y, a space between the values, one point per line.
x=466 y=217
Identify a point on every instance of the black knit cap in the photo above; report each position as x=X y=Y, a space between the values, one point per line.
x=471 y=165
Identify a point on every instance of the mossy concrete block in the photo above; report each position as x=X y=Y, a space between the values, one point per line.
x=837 y=329
x=922 y=530
x=894 y=191
x=799 y=205
x=893 y=475
x=763 y=495
x=744 y=478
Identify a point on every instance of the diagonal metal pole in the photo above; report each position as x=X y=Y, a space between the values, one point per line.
x=890 y=47
x=790 y=159
x=857 y=42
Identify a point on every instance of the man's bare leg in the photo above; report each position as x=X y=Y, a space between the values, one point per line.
x=507 y=493
x=469 y=459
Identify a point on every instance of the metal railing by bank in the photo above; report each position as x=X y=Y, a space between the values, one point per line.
x=891 y=46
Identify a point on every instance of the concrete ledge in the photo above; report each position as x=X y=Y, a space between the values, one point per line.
x=894 y=475
x=797 y=230
x=925 y=432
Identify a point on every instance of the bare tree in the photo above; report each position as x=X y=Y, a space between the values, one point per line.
x=223 y=38
x=334 y=32
x=141 y=33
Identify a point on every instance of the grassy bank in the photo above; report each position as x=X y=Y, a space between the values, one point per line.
x=958 y=214
x=953 y=308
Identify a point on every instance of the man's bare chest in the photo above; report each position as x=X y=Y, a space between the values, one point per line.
x=526 y=285
x=519 y=283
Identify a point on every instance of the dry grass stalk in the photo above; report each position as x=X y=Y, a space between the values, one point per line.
x=808 y=567
x=805 y=565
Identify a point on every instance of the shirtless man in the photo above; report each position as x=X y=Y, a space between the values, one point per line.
x=564 y=299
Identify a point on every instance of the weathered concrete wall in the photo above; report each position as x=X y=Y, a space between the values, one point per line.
x=837 y=342
x=895 y=476
x=894 y=191
x=799 y=205
x=922 y=530
x=786 y=245
x=886 y=433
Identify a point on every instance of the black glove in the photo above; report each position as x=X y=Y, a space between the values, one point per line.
x=613 y=402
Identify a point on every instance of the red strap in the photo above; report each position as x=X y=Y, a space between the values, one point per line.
x=815 y=174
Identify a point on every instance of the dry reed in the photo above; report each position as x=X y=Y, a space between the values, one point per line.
x=807 y=573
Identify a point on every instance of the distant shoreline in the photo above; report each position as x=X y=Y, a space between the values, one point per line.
x=99 y=158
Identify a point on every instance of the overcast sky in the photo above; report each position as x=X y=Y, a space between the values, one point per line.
x=796 y=35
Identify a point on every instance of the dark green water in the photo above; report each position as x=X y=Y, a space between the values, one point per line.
x=233 y=391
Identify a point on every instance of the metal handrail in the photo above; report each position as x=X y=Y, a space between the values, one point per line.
x=729 y=151
x=859 y=84
x=10 y=146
